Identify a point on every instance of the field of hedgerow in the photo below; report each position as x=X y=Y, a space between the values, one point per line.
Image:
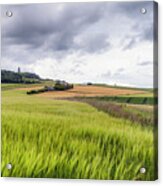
x=42 y=137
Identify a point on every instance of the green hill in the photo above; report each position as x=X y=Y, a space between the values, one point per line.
x=19 y=77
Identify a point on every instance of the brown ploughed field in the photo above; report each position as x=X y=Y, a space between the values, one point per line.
x=89 y=91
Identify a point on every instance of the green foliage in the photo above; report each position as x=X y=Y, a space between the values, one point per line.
x=65 y=139
x=10 y=77
x=36 y=91
x=30 y=75
x=130 y=99
x=15 y=77
x=56 y=87
x=62 y=85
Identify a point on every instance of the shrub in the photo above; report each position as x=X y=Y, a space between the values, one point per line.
x=60 y=87
x=36 y=91
x=65 y=86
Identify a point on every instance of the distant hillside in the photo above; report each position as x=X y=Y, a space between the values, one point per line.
x=123 y=87
x=19 y=77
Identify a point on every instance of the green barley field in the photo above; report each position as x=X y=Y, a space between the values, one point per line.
x=68 y=139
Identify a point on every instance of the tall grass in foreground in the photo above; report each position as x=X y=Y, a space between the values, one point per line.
x=64 y=139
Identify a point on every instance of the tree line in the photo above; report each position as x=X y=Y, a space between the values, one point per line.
x=19 y=77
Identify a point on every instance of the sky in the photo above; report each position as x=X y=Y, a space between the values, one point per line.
x=100 y=42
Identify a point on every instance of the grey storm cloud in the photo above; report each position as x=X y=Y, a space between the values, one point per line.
x=54 y=26
x=142 y=27
x=50 y=26
x=38 y=31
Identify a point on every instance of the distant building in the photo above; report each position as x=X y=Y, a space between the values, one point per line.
x=19 y=70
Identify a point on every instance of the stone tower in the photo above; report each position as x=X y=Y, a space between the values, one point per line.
x=19 y=70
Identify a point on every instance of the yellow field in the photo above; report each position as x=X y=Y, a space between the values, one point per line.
x=88 y=91
x=52 y=138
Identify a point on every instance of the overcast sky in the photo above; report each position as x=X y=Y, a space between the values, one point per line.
x=102 y=42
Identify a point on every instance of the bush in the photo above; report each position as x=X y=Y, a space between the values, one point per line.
x=57 y=87
x=36 y=91
x=63 y=86
x=60 y=87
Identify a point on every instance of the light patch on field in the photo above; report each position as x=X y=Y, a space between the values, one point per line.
x=31 y=88
x=141 y=107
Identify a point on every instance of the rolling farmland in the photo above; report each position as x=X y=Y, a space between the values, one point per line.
x=46 y=137
x=89 y=91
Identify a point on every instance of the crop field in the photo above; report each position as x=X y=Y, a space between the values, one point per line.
x=143 y=114
x=44 y=137
x=19 y=86
x=9 y=86
x=146 y=100
x=89 y=91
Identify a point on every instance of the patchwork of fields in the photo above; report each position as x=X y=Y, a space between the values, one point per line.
x=46 y=137
x=90 y=91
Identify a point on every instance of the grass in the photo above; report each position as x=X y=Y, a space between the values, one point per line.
x=66 y=139
x=130 y=99
x=9 y=86
x=147 y=94
x=135 y=113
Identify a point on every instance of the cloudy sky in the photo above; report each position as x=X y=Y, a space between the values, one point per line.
x=102 y=42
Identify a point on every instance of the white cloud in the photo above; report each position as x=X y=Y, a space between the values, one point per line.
x=90 y=67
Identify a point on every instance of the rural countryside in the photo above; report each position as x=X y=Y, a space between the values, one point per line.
x=78 y=98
